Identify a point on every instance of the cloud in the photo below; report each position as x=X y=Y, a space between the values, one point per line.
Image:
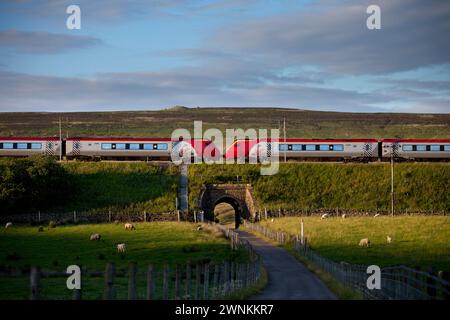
x=333 y=35
x=44 y=42
x=191 y=87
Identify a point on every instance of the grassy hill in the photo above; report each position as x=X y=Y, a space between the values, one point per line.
x=299 y=123
x=297 y=186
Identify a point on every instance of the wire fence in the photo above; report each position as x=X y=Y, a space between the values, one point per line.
x=198 y=281
x=397 y=282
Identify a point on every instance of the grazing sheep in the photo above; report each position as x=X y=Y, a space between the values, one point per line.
x=324 y=216
x=121 y=247
x=388 y=239
x=199 y=228
x=271 y=220
x=364 y=243
x=377 y=215
x=343 y=216
x=9 y=224
x=95 y=237
x=129 y=226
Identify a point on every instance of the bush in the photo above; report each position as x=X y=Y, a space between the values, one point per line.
x=33 y=183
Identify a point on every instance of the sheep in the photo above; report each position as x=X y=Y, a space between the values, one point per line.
x=377 y=215
x=41 y=229
x=95 y=237
x=343 y=216
x=388 y=239
x=121 y=247
x=364 y=243
x=9 y=224
x=129 y=226
x=199 y=228
x=271 y=220
x=324 y=216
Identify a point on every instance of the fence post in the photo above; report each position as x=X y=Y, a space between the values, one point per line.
x=39 y=216
x=35 y=278
x=150 y=283
x=165 y=282
x=109 y=215
x=145 y=216
x=302 y=236
x=178 y=214
x=197 y=281
x=265 y=212
x=109 y=281
x=216 y=281
x=177 y=282
x=188 y=281
x=132 y=281
x=206 y=283
x=195 y=216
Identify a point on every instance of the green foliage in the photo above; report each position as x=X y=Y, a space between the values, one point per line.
x=35 y=182
x=126 y=187
x=418 y=186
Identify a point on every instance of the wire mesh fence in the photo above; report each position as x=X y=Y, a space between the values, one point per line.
x=397 y=282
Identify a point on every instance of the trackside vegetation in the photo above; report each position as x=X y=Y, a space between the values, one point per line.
x=298 y=186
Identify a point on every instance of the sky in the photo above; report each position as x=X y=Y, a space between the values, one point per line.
x=153 y=54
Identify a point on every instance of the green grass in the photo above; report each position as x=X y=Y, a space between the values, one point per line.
x=418 y=241
x=297 y=186
x=55 y=249
x=121 y=186
x=299 y=123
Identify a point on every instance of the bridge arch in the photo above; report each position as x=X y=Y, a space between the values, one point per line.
x=239 y=196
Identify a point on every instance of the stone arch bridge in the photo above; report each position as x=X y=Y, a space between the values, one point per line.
x=239 y=196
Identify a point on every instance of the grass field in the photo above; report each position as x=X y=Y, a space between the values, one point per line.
x=121 y=186
x=299 y=123
x=418 y=241
x=55 y=249
x=297 y=186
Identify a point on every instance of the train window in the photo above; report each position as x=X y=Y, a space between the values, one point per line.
x=107 y=146
x=435 y=148
x=447 y=148
x=1 y=145
x=338 y=147
x=310 y=147
x=296 y=147
x=162 y=146
x=148 y=146
x=8 y=145
x=22 y=146
x=324 y=147
x=36 y=146
x=421 y=148
x=134 y=146
x=283 y=147
x=407 y=147
x=120 y=146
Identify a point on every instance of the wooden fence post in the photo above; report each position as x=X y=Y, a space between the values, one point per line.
x=197 y=282
x=165 y=282
x=178 y=214
x=195 y=216
x=109 y=215
x=132 y=281
x=145 y=216
x=216 y=281
x=206 y=283
x=177 y=282
x=35 y=278
x=187 y=294
x=150 y=283
x=109 y=282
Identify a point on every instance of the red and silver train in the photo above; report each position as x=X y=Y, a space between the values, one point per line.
x=166 y=148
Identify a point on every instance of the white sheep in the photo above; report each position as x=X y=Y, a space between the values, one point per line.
x=129 y=226
x=388 y=239
x=377 y=215
x=121 y=247
x=271 y=220
x=9 y=224
x=95 y=237
x=364 y=243
x=324 y=216
x=343 y=216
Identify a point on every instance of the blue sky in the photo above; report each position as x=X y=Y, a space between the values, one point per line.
x=151 y=54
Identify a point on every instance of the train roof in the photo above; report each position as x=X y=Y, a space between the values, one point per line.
x=123 y=139
x=418 y=140
x=29 y=138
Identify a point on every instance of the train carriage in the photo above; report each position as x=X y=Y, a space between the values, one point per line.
x=416 y=149
x=24 y=147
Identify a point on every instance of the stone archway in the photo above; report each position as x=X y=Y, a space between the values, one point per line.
x=239 y=196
